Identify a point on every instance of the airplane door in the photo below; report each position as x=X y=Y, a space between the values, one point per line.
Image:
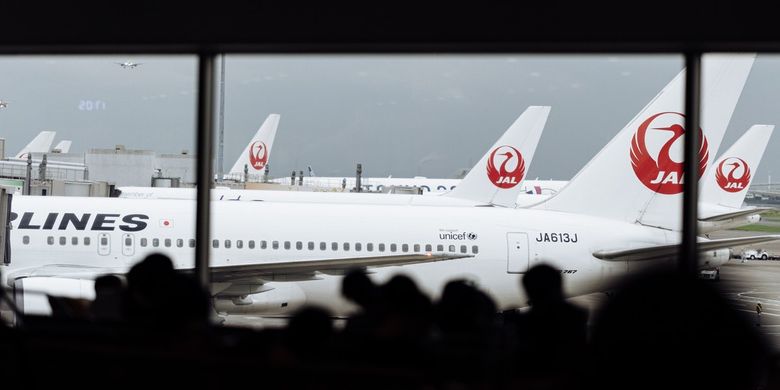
x=128 y=244
x=104 y=244
x=517 y=253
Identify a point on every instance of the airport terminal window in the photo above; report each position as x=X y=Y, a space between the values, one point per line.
x=298 y=245
x=215 y=243
x=358 y=246
x=275 y=245
x=381 y=247
x=167 y=242
x=192 y=243
x=179 y=242
x=474 y=249
x=227 y=243
x=405 y=248
x=428 y=248
x=346 y=246
x=155 y=242
x=463 y=249
x=370 y=247
x=323 y=245
x=287 y=245
x=334 y=246
x=440 y=248
x=74 y=241
x=416 y=247
x=452 y=248
x=251 y=244
x=393 y=247
x=86 y=241
x=239 y=244
x=63 y=240
x=311 y=245
x=26 y=240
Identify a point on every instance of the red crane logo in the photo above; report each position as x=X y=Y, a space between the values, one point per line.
x=662 y=174
x=258 y=155
x=729 y=182
x=503 y=177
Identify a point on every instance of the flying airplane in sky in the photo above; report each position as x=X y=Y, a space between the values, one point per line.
x=274 y=257
x=129 y=64
x=3 y=104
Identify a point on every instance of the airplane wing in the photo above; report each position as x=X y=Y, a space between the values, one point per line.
x=305 y=269
x=282 y=270
x=661 y=251
x=737 y=214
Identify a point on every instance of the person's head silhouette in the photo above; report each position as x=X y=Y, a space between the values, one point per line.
x=542 y=284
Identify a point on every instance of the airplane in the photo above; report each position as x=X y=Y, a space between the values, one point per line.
x=257 y=152
x=271 y=258
x=62 y=147
x=129 y=64
x=40 y=144
x=3 y=104
x=512 y=154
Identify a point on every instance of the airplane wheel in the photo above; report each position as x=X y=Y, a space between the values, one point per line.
x=764 y=257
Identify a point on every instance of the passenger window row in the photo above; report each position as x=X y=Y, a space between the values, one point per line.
x=166 y=242
x=62 y=240
x=335 y=246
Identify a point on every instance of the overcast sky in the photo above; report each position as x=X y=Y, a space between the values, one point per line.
x=430 y=115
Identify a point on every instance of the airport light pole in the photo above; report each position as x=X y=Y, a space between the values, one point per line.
x=689 y=254
x=206 y=66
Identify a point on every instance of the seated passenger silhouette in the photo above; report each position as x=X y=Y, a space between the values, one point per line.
x=107 y=305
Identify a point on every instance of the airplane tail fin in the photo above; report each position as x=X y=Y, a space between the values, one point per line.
x=727 y=181
x=62 y=147
x=40 y=144
x=637 y=177
x=497 y=177
x=257 y=152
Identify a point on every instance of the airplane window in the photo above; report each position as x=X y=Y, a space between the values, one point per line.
x=323 y=245
x=463 y=249
x=358 y=246
x=405 y=247
x=86 y=241
x=26 y=240
x=287 y=245
x=179 y=242
x=143 y=242
x=155 y=242
x=74 y=240
x=192 y=243
x=370 y=247
x=263 y=244
x=215 y=243
x=428 y=248
x=275 y=244
x=334 y=246
x=474 y=249
x=63 y=240
x=416 y=247
x=381 y=247
x=346 y=246
x=440 y=248
x=393 y=247
x=239 y=244
x=167 y=242
x=227 y=243
x=452 y=248
x=298 y=245
x=311 y=245
x=103 y=241
x=251 y=244
x=128 y=241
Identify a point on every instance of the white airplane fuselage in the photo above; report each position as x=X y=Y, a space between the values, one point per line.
x=504 y=242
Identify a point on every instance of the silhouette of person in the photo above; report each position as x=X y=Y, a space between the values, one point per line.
x=107 y=305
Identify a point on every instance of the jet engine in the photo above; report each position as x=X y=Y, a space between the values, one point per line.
x=275 y=298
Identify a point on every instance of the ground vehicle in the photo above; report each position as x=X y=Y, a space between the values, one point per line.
x=753 y=254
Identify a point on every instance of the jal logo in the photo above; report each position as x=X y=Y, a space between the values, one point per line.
x=657 y=170
x=733 y=174
x=511 y=167
x=258 y=155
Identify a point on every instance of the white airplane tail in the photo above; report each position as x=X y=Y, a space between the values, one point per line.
x=256 y=154
x=40 y=144
x=62 y=147
x=638 y=176
x=726 y=183
x=497 y=176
